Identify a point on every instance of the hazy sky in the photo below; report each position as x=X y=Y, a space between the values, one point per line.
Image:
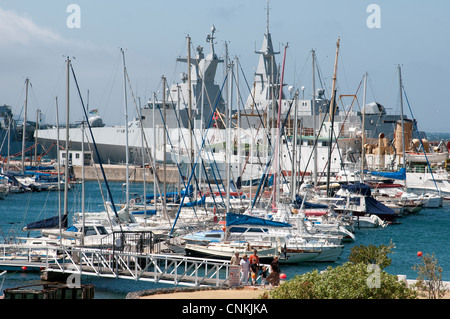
x=35 y=39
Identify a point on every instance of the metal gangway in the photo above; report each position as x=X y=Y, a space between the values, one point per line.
x=108 y=263
x=158 y=268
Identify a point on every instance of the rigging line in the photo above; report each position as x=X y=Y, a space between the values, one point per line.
x=195 y=164
x=284 y=133
x=195 y=140
x=421 y=143
x=342 y=67
x=147 y=148
x=111 y=81
x=316 y=140
x=23 y=106
x=320 y=75
x=170 y=143
x=300 y=76
x=141 y=126
x=89 y=144
x=203 y=165
x=371 y=86
x=95 y=146
x=341 y=130
x=269 y=163
x=257 y=110
x=389 y=93
x=50 y=102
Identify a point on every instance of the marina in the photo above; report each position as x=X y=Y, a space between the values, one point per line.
x=413 y=233
x=207 y=170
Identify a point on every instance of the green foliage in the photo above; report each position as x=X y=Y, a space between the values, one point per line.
x=430 y=277
x=372 y=255
x=349 y=281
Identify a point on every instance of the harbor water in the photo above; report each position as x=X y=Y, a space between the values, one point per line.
x=425 y=231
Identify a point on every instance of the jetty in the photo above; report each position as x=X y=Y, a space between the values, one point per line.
x=153 y=267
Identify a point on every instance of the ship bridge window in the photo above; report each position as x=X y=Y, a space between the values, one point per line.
x=213 y=235
x=102 y=230
x=90 y=231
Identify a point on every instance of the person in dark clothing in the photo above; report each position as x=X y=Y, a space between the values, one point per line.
x=263 y=273
x=254 y=265
x=274 y=276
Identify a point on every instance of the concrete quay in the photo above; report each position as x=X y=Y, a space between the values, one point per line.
x=115 y=172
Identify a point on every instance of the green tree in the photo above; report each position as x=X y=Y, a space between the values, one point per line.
x=372 y=255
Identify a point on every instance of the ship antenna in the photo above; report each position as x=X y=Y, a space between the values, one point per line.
x=210 y=38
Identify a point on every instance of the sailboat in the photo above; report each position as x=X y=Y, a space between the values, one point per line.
x=415 y=161
x=243 y=234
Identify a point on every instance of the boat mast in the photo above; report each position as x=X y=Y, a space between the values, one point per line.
x=127 y=193
x=66 y=164
x=313 y=53
x=294 y=149
x=401 y=119
x=82 y=183
x=24 y=125
x=164 y=146
x=229 y=151
x=36 y=137
x=332 y=113
x=58 y=161
x=278 y=132
x=9 y=117
x=189 y=103
x=363 y=140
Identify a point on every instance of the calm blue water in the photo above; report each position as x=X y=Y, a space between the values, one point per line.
x=427 y=231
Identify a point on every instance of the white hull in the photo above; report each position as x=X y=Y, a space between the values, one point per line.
x=226 y=250
x=295 y=256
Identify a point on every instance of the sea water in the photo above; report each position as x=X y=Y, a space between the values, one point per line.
x=426 y=231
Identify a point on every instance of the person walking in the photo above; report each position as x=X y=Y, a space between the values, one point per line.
x=263 y=275
x=274 y=276
x=254 y=265
x=235 y=260
x=245 y=269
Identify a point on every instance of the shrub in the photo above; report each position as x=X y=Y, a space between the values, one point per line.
x=430 y=277
x=349 y=281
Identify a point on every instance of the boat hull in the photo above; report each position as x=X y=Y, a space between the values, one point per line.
x=226 y=252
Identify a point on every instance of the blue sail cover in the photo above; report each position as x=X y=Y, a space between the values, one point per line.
x=196 y=203
x=400 y=175
x=375 y=207
x=240 y=219
x=52 y=222
x=307 y=205
x=177 y=195
x=358 y=188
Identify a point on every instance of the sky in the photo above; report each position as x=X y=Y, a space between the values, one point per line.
x=36 y=37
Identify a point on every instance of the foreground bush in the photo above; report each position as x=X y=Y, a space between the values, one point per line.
x=349 y=281
x=429 y=282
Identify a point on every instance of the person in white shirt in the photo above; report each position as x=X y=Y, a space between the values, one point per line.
x=245 y=270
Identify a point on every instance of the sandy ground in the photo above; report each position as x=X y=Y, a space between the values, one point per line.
x=244 y=293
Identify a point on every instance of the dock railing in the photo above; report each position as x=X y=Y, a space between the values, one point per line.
x=159 y=268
